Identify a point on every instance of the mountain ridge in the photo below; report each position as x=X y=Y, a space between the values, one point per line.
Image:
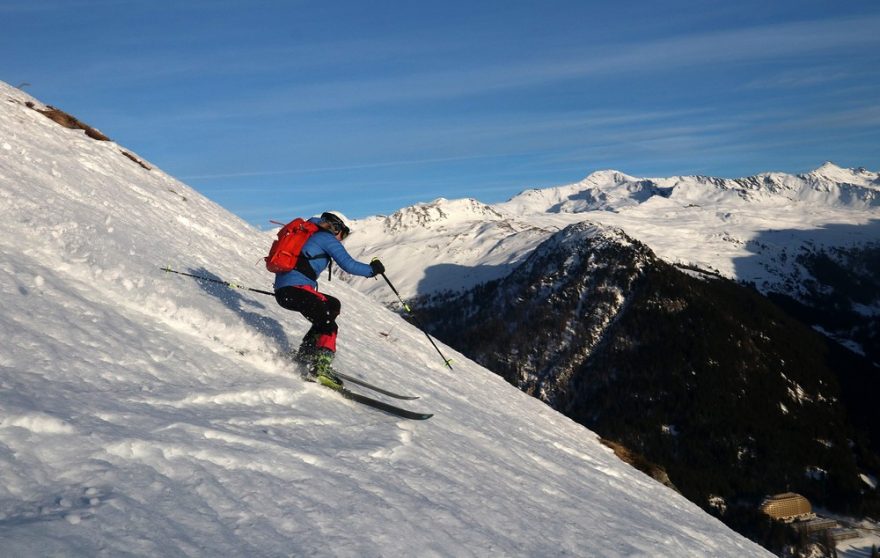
x=702 y=222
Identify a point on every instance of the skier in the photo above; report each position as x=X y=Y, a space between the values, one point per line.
x=298 y=290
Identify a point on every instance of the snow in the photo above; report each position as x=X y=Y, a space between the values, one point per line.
x=434 y=246
x=861 y=177
x=147 y=414
x=859 y=547
x=749 y=229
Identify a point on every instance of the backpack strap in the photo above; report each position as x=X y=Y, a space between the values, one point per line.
x=303 y=266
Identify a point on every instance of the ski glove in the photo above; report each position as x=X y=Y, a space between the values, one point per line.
x=377 y=267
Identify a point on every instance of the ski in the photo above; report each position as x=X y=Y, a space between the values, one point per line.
x=376 y=404
x=377 y=389
x=382 y=406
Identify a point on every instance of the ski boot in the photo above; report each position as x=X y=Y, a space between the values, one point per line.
x=322 y=371
x=305 y=354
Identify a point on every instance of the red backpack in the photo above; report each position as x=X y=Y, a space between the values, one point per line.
x=284 y=254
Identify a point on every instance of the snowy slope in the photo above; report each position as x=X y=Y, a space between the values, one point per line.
x=146 y=414
x=748 y=229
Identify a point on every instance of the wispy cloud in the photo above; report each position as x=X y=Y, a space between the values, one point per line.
x=804 y=77
x=505 y=136
x=390 y=86
x=401 y=163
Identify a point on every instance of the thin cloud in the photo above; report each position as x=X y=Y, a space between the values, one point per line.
x=627 y=57
x=339 y=167
x=739 y=45
x=803 y=77
x=524 y=137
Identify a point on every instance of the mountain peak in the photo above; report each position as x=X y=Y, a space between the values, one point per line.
x=831 y=171
x=829 y=165
x=608 y=176
x=439 y=212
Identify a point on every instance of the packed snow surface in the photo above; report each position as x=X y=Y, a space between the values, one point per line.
x=148 y=414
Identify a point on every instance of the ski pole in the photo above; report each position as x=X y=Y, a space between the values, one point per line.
x=210 y=280
x=446 y=361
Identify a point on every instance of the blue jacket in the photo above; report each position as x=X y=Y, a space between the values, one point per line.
x=322 y=243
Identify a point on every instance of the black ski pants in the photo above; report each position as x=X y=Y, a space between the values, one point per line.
x=319 y=309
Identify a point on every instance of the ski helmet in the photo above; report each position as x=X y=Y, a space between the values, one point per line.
x=335 y=224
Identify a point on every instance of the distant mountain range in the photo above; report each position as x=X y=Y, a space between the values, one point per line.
x=781 y=233
x=694 y=320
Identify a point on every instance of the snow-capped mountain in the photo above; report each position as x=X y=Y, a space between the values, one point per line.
x=761 y=230
x=442 y=245
x=747 y=229
x=827 y=186
x=148 y=414
x=566 y=293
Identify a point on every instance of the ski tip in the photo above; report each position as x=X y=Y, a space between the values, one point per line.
x=418 y=416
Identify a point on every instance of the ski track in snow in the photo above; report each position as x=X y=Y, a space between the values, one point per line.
x=147 y=414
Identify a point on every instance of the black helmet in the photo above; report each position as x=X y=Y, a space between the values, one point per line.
x=335 y=224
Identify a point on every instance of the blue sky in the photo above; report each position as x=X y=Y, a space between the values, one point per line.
x=276 y=109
